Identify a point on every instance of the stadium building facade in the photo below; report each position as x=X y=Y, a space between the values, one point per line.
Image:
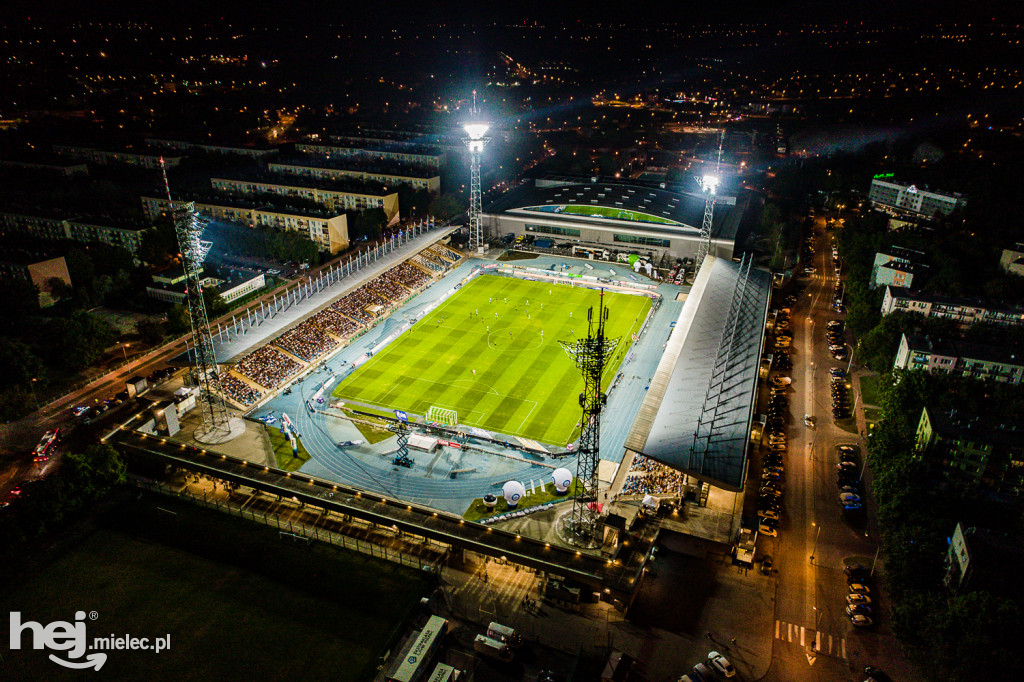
x=615 y=216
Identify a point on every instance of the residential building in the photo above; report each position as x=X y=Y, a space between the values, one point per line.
x=977 y=559
x=336 y=195
x=1012 y=260
x=974 y=360
x=142 y=157
x=974 y=450
x=328 y=229
x=39 y=271
x=45 y=162
x=405 y=152
x=123 y=232
x=251 y=151
x=896 y=267
x=964 y=310
x=330 y=168
x=901 y=198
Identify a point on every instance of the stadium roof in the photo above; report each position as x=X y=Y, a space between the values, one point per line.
x=700 y=372
x=650 y=208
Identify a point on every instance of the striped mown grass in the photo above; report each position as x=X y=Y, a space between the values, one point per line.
x=491 y=352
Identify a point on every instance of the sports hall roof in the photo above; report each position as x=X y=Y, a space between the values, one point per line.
x=700 y=372
x=645 y=207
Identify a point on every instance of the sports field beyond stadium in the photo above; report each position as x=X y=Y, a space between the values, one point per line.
x=491 y=353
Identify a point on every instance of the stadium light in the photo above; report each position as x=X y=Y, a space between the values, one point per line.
x=710 y=183
x=475 y=130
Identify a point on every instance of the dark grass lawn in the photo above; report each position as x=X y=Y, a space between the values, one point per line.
x=236 y=600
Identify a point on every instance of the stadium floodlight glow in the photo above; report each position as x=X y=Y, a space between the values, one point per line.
x=476 y=131
x=710 y=183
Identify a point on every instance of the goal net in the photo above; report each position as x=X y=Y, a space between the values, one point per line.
x=442 y=415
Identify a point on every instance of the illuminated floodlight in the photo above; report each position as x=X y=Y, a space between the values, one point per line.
x=710 y=183
x=475 y=130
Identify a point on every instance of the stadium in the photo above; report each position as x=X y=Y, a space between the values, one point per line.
x=462 y=354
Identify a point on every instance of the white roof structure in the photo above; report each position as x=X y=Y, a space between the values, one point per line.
x=698 y=412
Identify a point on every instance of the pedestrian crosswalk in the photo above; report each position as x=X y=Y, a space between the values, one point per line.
x=814 y=640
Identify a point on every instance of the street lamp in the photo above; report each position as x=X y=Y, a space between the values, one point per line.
x=815 y=545
x=123 y=347
x=31 y=385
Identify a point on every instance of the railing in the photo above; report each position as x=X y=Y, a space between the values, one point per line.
x=295 y=531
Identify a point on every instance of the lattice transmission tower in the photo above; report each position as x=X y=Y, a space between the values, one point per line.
x=590 y=355
x=189 y=227
x=475 y=141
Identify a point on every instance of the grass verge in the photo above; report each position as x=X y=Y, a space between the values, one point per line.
x=477 y=510
x=283 y=451
x=869 y=389
x=236 y=601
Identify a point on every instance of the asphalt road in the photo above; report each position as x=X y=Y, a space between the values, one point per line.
x=813 y=638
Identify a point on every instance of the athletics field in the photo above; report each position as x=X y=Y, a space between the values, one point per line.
x=491 y=353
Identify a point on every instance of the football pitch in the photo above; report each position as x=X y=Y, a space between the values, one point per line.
x=491 y=353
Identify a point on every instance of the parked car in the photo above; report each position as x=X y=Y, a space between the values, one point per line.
x=856 y=569
x=853 y=609
x=861 y=621
x=720 y=664
x=858 y=599
x=859 y=588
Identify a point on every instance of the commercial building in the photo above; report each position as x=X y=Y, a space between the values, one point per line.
x=901 y=198
x=329 y=168
x=328 y=229
x=613 y=216
x=965 y=311
x=897 y=267
x=169 y=286
x=121 y=232
x=1012 y=260
x=974 y=450
x=403 y=152
x=335 y=195
x=143 y=157
x=250 y=151
x=39 y=271
x=974 y=360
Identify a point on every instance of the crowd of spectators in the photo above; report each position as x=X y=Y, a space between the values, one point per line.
x=410 y=275
x=319 y=335
x=267 y=366
x=238 y=390
x=647 y=477
x=335 y=323
x=307 y=342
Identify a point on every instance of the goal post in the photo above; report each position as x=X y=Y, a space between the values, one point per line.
x=442 y=415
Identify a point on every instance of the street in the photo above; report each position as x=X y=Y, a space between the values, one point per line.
x=813 y=636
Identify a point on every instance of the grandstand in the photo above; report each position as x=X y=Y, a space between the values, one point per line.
x=325 y=331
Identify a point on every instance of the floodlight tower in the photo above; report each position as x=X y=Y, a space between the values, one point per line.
x=475 y=141
x=708 y=183
x=218 y=426
x=590 y=355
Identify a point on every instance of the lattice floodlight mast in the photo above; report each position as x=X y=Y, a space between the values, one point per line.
x=709 y=183
x=475 y=141
x=590 y=355
x=189 y=226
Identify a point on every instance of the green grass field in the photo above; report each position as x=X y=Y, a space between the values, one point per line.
x=633 y=216
x=524 y=384
x=237 y=601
